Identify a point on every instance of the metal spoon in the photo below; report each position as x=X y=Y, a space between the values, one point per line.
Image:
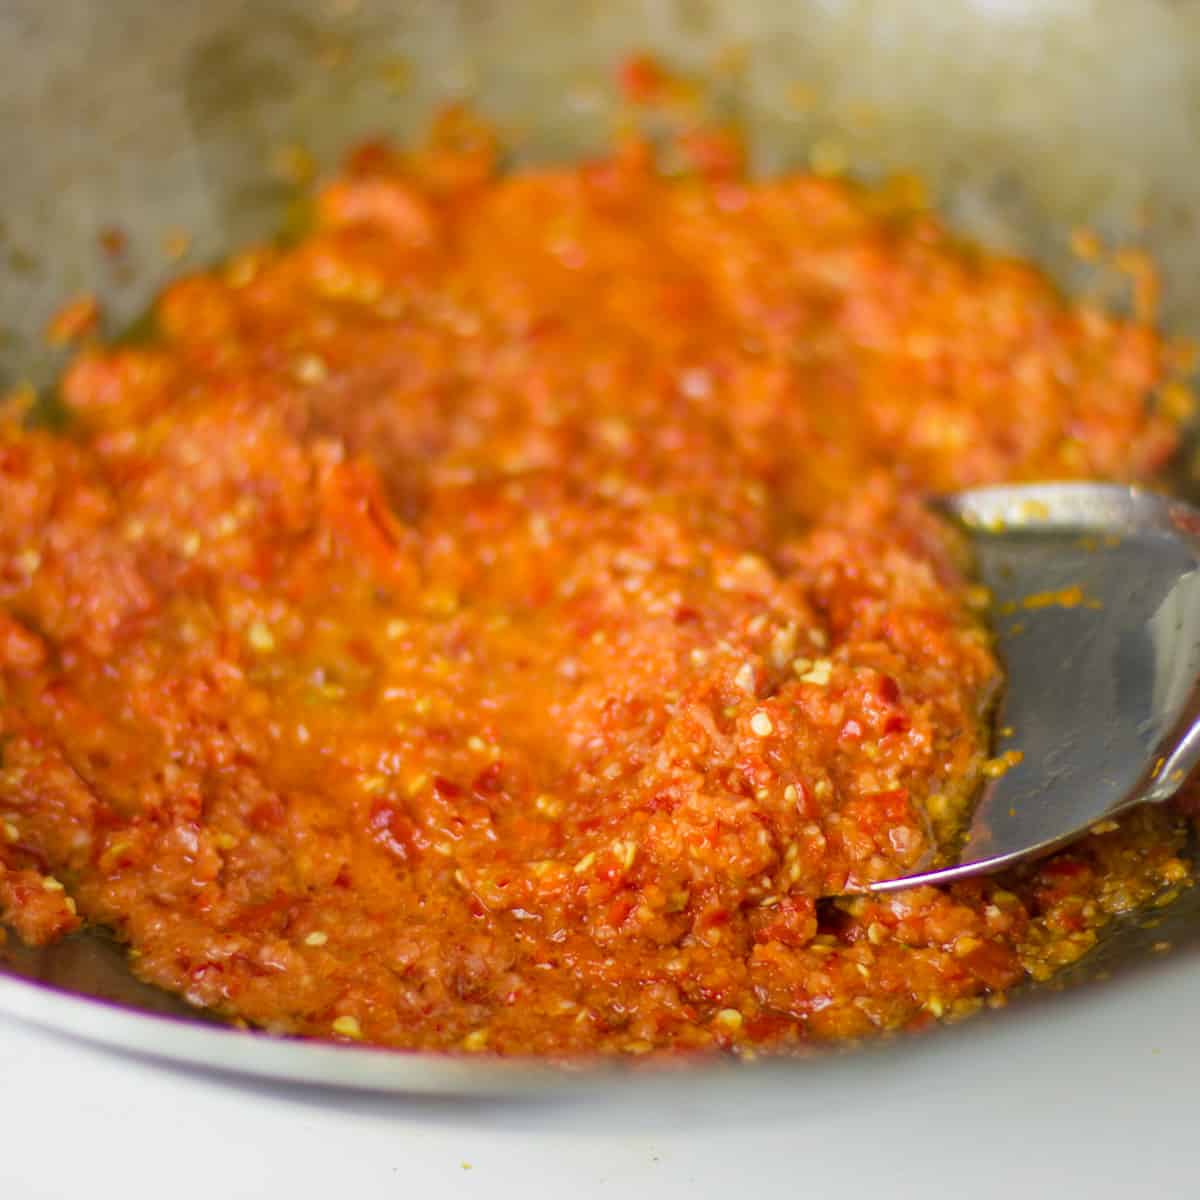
x=1097 y=620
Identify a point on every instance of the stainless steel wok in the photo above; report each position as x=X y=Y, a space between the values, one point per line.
x=1027 y=117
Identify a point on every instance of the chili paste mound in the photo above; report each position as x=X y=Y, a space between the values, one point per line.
x=495 y=620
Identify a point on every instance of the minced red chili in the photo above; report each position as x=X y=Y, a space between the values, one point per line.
x=495 y=620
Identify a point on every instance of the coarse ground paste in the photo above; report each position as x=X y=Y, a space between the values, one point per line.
x=500 y=619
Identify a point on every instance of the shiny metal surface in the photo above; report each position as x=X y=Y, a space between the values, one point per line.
x=1096 y=612
x=1024 y=119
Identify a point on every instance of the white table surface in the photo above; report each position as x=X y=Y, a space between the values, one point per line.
x=1090 y=1095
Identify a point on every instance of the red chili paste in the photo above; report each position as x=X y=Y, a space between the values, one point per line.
x=496 y=620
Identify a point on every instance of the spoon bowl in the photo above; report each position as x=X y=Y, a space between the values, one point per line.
x=1096 y=615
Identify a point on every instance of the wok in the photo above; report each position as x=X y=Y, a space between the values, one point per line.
x=133 y=122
